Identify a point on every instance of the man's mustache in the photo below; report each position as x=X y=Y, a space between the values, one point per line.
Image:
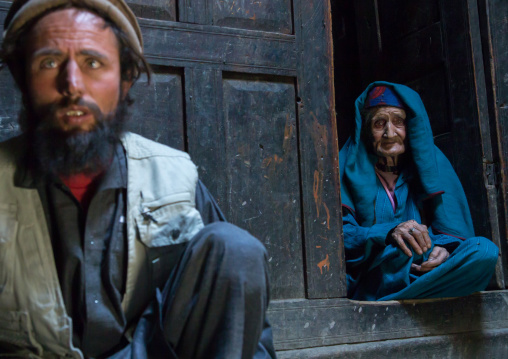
x=49 y=111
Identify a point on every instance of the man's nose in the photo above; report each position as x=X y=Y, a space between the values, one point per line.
x=72 y=80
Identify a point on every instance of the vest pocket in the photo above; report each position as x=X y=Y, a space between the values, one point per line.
x=164 y=227
x=169 y=220
x=34 y=259
x=16 y=333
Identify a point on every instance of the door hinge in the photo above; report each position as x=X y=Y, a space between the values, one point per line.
x=490 y=170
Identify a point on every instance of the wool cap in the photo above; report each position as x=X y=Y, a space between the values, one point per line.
x=23 y=11
x=383 y=96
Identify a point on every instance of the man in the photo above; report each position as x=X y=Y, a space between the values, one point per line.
x=106 y=243
x=407 y=227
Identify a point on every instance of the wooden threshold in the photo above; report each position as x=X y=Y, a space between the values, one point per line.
x=305 y=323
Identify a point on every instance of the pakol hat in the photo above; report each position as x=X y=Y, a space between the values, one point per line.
x=383 y=96
x=23 y=11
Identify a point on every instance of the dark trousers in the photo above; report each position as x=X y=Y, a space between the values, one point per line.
x=214 y=303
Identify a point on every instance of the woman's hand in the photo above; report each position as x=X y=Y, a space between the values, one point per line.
x=436 y=257
x=414 y=234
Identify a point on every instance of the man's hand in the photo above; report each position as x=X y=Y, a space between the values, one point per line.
x=436 y=257
x=414 y=234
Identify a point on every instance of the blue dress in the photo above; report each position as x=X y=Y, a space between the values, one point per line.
x=380 y=271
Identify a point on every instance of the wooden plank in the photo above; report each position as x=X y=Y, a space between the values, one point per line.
x=154 y=9
x=399 y=18
x=255 y=70
x=263 y=172
x=313 y=323
x=325 y=266
x=202 y=44
x=205 y=128
x=158 y=110
x=263 y=15
x=476 y=344
x=195 y=12
x=485 y=134
x=4 y=8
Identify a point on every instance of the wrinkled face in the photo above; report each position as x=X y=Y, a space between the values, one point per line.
x=388 y=129
x=73 y=64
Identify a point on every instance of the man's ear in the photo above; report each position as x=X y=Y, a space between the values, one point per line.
x=125 y=87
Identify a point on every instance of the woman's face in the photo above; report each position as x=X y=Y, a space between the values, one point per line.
x=388 y=129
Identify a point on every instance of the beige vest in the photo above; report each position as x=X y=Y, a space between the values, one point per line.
x=160 y=200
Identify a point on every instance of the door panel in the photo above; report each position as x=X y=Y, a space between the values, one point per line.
x=495 y=51
x=263 y=173
x=205 y=128
x=263 y=15
x=154 y=9
x=159 y=110
x=192 y=45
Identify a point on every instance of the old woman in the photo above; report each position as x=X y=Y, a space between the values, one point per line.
x=408 y=231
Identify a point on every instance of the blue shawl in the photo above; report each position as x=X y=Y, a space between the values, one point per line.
x=433 y=176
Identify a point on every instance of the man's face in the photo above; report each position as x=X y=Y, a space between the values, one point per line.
x=388 y=129
x=73 y=67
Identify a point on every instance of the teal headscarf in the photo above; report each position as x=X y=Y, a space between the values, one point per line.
x=433 y=176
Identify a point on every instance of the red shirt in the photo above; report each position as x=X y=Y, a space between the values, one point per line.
x=82 y=186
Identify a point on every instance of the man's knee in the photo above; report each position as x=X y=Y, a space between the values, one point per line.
x=242 y=255
x=232 y=239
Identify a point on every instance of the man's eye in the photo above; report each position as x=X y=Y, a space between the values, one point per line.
x=94 y=64
x=379 y=123
x=48 y=64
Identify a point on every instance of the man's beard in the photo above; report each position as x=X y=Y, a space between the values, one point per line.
x=67 y=153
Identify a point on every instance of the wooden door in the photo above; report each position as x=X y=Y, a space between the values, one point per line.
x=245 y=86
x=434 y=47
x=494 y=30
